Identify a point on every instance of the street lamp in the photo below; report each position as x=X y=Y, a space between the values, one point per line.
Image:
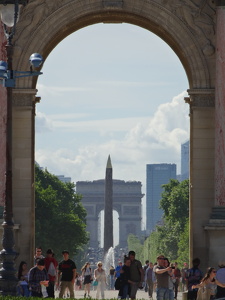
x=9 y=11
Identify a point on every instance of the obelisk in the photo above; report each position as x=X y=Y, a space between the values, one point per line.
x=108 y=220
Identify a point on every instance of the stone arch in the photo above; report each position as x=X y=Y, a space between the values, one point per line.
x=41 y=29
x=126 y=202
x=186 y=26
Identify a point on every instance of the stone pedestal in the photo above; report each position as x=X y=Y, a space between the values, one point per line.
x=216 y=231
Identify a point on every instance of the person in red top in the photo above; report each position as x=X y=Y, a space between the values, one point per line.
x=51 y=266
x=177 y=274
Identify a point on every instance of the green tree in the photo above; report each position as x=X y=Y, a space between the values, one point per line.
x=135 y=245
x=183 y=246
x=171 y=238
x=59 y=214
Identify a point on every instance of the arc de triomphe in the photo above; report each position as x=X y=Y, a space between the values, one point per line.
x=194 y=29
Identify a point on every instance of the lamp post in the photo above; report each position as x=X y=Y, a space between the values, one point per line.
x=9 y=10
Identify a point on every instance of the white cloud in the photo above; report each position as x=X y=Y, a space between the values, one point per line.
x=157 y=142
x=56 y=90
x=43 y=123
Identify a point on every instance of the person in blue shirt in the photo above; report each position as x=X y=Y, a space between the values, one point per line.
x=118 y=269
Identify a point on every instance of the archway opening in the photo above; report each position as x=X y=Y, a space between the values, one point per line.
x=119 y=90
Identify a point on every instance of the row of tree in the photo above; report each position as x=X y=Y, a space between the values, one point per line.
x=172 y=237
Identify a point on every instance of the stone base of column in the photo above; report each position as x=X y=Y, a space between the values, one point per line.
x=216 y=232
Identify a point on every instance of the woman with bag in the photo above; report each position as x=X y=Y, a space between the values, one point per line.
x=207 y=287
x=87 y=276
x=100 y=277
x=51 y=267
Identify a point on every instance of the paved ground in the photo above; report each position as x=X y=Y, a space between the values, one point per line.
x=113 y=295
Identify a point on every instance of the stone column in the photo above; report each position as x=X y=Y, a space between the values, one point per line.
x=23 y=171
x=216 y=226
x=3 y=113
x=202 y=134
x=220 y=107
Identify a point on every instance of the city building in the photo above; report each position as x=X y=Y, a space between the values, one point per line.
x=156 y=176
x=63 y=178
x=185 y=161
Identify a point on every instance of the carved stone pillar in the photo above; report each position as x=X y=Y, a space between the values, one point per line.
x=3 y=113
x=220 y=108
x=23 y=170
x=202 y=134
x=215 y=228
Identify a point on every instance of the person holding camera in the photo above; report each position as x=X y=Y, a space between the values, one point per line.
x=162 y=278
x=172 y=278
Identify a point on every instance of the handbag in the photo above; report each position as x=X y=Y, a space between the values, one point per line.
x=95 y=283
x=51 y=269
x=118 y=283
x=203 y=293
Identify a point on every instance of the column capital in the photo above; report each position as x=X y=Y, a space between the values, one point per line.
x=201 y=97
x=24 y=97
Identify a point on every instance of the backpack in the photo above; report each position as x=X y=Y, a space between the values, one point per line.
x=118 y=283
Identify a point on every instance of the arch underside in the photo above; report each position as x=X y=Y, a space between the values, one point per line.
x=67 y=19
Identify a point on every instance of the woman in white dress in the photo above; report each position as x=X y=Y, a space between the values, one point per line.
x=100 y=277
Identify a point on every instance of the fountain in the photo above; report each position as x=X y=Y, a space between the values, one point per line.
x=109 y=260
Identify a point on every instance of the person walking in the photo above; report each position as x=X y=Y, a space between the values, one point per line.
x=38 y=279
x=149 y=279
x=51 y=267
x=183 y=275
x=67 y=271
x=118 y=269
x=194 y=277
x=208 y=286
x=177 y=274
x=100 y=277
x=87 y=276
x=136 y=274
x=145 y=267
x=220 y=275
x=38 y=254
x=111 y=277
x=126 y=283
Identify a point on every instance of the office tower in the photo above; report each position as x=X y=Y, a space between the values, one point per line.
x=156 y=176
x=185 y=161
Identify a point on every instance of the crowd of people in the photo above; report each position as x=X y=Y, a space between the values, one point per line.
x=162 y=277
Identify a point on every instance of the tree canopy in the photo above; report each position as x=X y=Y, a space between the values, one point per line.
x=171 y=238
x=59 y=215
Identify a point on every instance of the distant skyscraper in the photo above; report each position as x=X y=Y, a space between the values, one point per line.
x=63 y=178
x=156 y=175
x=185 y=160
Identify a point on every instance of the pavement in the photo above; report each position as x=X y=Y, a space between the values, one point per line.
x=109 y=294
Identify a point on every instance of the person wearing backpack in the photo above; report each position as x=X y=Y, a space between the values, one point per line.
x=51 y=267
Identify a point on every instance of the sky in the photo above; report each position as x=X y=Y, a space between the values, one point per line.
x=111 y=89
